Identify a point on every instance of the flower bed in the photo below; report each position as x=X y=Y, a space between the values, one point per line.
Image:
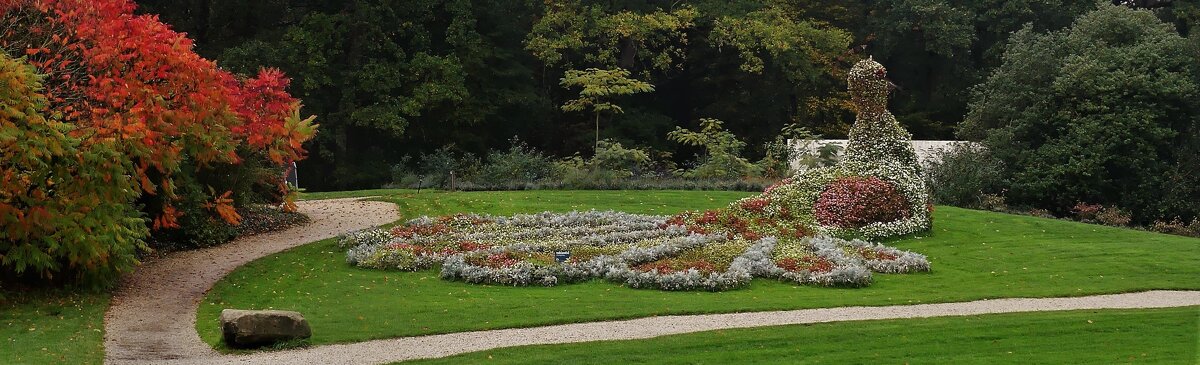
x=715 y=250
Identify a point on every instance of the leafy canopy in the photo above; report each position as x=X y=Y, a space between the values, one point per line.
x=599 y=87
x=1103 y=112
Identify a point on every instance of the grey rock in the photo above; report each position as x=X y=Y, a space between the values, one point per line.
x=256 y=328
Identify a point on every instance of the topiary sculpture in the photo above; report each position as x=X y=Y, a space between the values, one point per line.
x=879 y=149
x=876 y=135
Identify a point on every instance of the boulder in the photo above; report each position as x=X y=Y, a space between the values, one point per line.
x=255 y=328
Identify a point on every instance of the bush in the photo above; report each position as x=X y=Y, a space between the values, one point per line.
x=853 y=202
x=722 y=152
x=961 y=174
x=1085 y=212
x=993 y=202
x=1041 y=213
x=612 y=156
x=65 y=207
x=1177 y=227
x=1114 y=216
x=616 y=168
x=520 y=164
x=144 y=117
x=448 y=166
x=1099 y=112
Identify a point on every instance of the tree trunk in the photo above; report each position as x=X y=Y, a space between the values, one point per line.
x=597 y=148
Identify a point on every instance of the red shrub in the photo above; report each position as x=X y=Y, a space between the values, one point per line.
x=854 y=202
x=755 y=205
x=1087 y=212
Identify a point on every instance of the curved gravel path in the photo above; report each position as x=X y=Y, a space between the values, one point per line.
x=153 y=314
x=408 y=348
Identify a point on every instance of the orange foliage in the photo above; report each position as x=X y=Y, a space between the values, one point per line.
x=118 y=76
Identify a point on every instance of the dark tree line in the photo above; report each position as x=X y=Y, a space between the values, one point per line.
x=389 y=78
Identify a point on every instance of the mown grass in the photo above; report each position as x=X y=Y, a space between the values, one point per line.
x=975 y=255
x=52 y=327
x=1155 y=336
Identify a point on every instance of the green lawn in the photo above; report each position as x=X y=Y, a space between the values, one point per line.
x=975 y=255
x=52 y=328
x=1156 y=336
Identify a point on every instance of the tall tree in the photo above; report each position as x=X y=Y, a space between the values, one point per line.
x=1102 y=112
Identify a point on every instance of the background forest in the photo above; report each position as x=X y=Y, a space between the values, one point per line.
x=407 y=90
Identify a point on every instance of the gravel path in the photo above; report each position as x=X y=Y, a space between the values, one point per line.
x=153 y=313
x=385 y=351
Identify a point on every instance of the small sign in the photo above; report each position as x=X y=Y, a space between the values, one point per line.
x=562 y=256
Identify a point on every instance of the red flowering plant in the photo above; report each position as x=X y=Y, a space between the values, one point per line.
x=724 y=221
x=1087 y=212
x=855 y=201
x=126 y=78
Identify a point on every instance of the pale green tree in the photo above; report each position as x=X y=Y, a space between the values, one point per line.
x=600 y=88
x=722 y=151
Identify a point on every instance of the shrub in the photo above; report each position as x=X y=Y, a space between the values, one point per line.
x=448 y=166
x=166 y=122
x=1176 y=226
x=722 y=152
x=519 y=164
x=1075 y=120
x=876 y=136
x=993 y=202
x=853 y=202
x=65 y=207
x=959 y=175
x=1114 y=216
x=778 y=156
x=612 y=156
x=1087 y=212
x=879 y=152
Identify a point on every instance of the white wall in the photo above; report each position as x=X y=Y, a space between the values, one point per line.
x=925 y=149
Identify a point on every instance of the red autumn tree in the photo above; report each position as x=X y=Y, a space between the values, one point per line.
x=132 y=82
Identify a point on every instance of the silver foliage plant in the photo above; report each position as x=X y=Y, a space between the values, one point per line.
x=628 y=239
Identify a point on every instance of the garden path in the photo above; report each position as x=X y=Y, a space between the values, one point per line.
x=153 y=313
x=399 y=349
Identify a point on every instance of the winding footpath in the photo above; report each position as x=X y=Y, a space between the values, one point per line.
x=152 y=318
x=153 y=314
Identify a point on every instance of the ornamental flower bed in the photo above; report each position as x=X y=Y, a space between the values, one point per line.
x=714 y=250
